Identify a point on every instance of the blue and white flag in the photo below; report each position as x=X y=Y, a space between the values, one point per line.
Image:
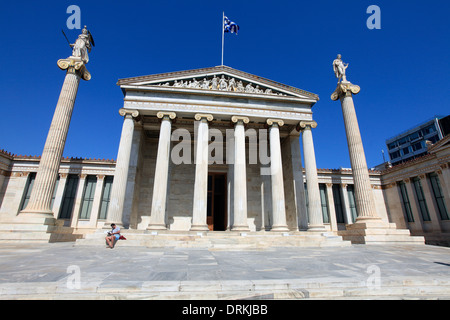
x=230 y=26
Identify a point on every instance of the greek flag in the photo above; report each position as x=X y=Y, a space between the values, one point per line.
x=230 y=26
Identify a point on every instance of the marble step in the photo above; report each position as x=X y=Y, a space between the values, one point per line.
x=417 y=288
x=218 y=241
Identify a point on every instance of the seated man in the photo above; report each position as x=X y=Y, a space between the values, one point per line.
x=113 y=235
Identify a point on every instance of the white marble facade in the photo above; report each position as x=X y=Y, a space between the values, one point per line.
x=207 y=149
x=255 y=127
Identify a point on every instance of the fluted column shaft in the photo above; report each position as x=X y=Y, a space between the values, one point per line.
x=363 y=190
x=240 y=176
x=158 y=213
x=119 y=187
x=41 y=196
x=276 y=175
x=199 y=222
x=312 y=181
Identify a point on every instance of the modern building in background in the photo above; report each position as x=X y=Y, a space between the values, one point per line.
x=412 y=143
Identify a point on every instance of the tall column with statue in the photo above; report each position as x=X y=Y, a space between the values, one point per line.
x=368 y=228
x=40 y=201
x=363 y=190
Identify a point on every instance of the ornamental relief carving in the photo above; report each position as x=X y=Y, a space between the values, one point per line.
x=220 y=84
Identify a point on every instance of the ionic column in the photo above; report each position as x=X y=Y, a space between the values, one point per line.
x=199 y=222
x=276 y=174
x=119 y=187
x=240 y=175
x=312 y=181
x=158 y=213
x=363 y=190
x=47 y=174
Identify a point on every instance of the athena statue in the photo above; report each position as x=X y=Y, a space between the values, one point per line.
x=83 y=45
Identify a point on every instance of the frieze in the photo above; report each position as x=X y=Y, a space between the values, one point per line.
x=218 y=110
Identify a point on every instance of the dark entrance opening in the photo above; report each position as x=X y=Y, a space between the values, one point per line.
x=217 y=201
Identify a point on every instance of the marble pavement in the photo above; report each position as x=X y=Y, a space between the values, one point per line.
x=65 y=271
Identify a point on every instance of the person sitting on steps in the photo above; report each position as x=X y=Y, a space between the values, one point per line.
x=113 y=235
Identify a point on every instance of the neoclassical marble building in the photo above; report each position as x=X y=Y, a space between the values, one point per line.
x=205 y=150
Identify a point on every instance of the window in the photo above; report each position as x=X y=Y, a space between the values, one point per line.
x=352 y=202
x=414 y=136
x=88 y=197
x=68 y=201
x=54 y=192
x=429 y=130
x=438 y=196
x=28 y=189
x=421 y=199
x=417 y=146
x=406 y=150
x=338 y=203
x=433 y=139
x=106 y=194
x=405 y=202
x=324 y=202
x=392 y=145
x=395 y=154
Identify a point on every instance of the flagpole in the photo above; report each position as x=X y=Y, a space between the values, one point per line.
x=223 y=33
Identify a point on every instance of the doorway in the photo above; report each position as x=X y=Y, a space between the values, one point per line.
x=217 y=201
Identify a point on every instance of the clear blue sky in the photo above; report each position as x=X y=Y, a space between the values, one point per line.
x=403 y=69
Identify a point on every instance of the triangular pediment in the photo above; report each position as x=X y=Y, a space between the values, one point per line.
x=221 y=79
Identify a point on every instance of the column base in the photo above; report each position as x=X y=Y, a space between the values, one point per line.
x=199 y=227
x=279 y=229
x=318 y=228
x=243 y=228
x=376 y=231
x=29 y=226
x=37 y=213
x=156 y=226
x=44 y=217
x=369 y=222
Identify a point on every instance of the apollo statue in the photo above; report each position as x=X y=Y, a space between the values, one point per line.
x=83 y=45
x=339 y=68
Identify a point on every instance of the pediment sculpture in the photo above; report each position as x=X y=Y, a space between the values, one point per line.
x=220 y=83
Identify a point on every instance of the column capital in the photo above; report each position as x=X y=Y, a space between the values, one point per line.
x=344 y=89
x=236 y=119
x=73 y=65
x=200 y=116
x=129 y=112
x=278 y=122
x=306 y=125
x=163 y=114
